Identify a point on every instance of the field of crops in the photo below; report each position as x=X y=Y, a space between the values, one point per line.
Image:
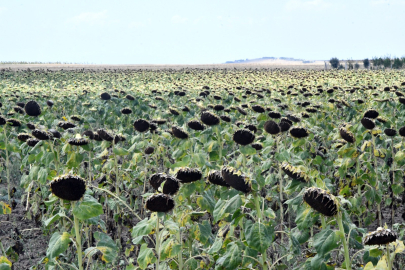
x=202 y=169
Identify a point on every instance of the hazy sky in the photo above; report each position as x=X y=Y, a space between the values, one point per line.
x=198 y=31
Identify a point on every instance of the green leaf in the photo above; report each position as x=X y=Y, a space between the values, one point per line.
x=106 y=246
x=304 y=217
x=145 y=257
x=400 y=158
x=42 y=176
x=325 y=241
x=216 y=246
x=5 y=208
x=207 y=201
x=232 y=257
x=58 y=244
x=120 y=151
x=225 y=208
x=54 y=218
x=375 y=252
x=87 y=208
x=169 y=249
x=142 y=228
x=247 y=150
x=259 y=237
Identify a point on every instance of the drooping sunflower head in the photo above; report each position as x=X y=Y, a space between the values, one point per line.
x=299 y=132
x=321 y=201
x=243 y=137
x=32 y=108
x=347 y=135
x=141 y=125
x=159 y=203
x=372 y=114
x=68 y=187
x=215 y=177
x=42 y=135
x=179 y=133
x=294 y=172
x=78 y=141
x=367 y=123
x=195 y=125
x=209 y=118
x=380 y=237
x=236 y=179
x=272 y=127
x=187 y=175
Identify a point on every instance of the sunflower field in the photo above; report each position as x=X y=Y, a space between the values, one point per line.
x=203 y=169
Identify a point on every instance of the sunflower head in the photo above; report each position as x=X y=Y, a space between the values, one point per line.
x=380 y=237
x=68 y=187
x=159 y=203
x=187 y=175
x=243 y=137
x=321 y=201
x=236 y=179
x=32 y=108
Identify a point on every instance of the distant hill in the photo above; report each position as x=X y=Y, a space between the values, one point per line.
x=268 y=59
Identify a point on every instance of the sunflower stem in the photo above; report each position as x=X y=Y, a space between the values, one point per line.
x=219 y=144
x=78 y=241
x=180 y=255
x=7 y=165
x=388 y=256
x=157 y=241
x=323 y=222
x=345 y=246
x=376 y=178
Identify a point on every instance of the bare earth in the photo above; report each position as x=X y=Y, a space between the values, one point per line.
x=270 y=64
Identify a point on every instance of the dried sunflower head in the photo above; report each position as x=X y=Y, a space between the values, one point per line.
x=105 y=135
x=372 y=114
x=347 y=135
x=149 y=150
x=141 y=125
x=294 y=172
x=299 y=132
x=187 y=175
x=367 y=123
x=66 y=125
x=380 y=237
x=78 y=141
x=272 y=127
x=215 y=177
x=179 y=133
x=243 y=137
x=32 y=108
x=195 y=125
x=14 y=122
x=159 y=203
x=126 y=110
x=42 y=135
x=390 y=132
x=209 y=118
x=68 y=187
x=236 y=179
x=32 y=142
x=24 y=137
x=105 y=96
x=321 y=201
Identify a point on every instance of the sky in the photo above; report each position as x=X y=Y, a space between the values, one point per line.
x=198 y=31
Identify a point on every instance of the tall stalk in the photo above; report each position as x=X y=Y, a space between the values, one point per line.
x=78 y=241
x=345 y=246
x=376 y=178
x=157 y=247
x=7 y=165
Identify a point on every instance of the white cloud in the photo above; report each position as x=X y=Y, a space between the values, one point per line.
x=179 y=19
x=91 y=18
x=307 y=5
x=387 y=2
x=136 y=24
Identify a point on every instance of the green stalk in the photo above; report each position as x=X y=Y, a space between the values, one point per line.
x=157 y=248
x=7 y=166
x=345 y=246
x=219 y=144
x=180 y=255
x=389 y=257
x=2 y=249
x=376 y=177
x=78 y=242
x=323 y=222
